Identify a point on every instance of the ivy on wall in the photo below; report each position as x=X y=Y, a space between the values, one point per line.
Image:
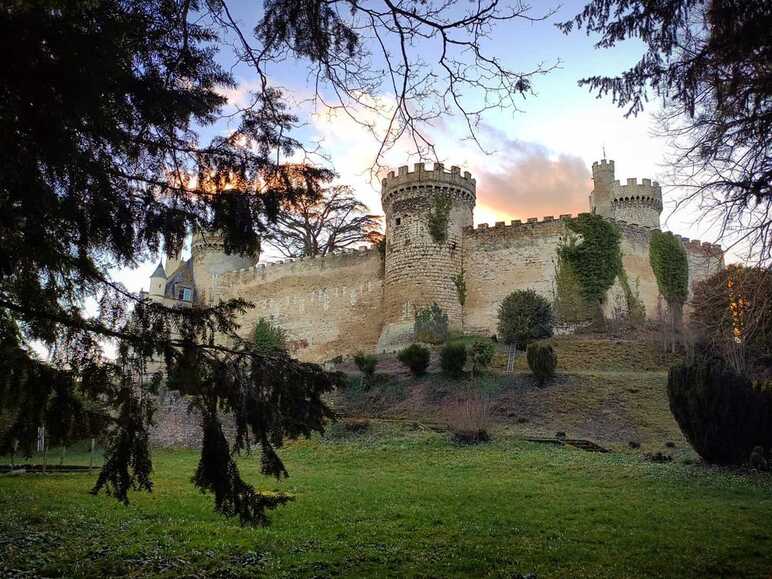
x=595 y=257
x=439 y=217
x=636 y=311
x=569 y=304
x=671 y=268
x=459 y=280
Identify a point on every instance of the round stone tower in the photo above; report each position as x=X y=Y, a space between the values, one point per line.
x=209 y=259
x=419 y=269
x=639 y=203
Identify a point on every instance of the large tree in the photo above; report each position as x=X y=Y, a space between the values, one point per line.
x=101 y=106
x=102 y=167
x=323 y=223
x=708 y=61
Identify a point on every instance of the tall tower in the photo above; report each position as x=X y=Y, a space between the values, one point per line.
x=209 y=259
x=603 y=182
x=419 y=269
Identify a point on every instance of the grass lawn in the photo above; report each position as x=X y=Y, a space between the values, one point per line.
x=402 y=503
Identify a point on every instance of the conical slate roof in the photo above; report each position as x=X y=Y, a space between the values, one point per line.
x=159 y=271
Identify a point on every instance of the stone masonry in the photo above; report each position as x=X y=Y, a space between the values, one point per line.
x=366 y=300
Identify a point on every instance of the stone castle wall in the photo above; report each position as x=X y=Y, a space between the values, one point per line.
x=522 y=255
x=328 y=305
x=504 y=258
x=336 y=305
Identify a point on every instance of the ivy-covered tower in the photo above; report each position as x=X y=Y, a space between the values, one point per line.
x=425 y=213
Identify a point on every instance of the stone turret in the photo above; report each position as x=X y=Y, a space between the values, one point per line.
x=638 y=203
x=419 y=270
x=158 y=281
x=209 y=260
x=603 y=180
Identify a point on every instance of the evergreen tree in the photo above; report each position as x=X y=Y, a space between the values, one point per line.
x=103 y=167
x=100 y=105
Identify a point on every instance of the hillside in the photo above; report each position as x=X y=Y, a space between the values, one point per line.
x=610 y=391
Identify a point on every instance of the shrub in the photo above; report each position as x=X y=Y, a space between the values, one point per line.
x=482 y=355
x=415 y=357
x=366 y=363
x=431 y=325
x=269 y=337
x=453 y=359
x=524 y=316
x=439 y=217
x=719 y=412
x=542 y=361
x=469 y=419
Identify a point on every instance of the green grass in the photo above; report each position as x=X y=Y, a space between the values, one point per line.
x=402 y=503
x=588 y=353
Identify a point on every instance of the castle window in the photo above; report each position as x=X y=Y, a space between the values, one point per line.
x=184 y=293
x=398 y=220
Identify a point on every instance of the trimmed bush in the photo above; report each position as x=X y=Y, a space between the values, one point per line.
x=431 y=325
x=719 y=412
x=542 y=361
x=453 y=359
x=481 y=353
x=524 y=316
x=416 y=358
x=366 y=363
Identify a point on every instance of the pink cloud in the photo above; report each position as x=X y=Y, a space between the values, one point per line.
x=525 y=180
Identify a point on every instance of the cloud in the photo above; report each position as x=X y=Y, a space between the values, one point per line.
x=526 y=180
x=516 y=179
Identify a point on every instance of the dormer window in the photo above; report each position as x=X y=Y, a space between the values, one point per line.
x=184 y=293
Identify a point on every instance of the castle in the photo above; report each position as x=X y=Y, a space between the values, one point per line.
x=366 y=299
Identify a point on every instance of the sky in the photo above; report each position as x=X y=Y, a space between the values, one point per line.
x=536 y=161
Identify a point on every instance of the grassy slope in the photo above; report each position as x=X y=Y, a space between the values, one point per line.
x=406 y=504
x=610 y=391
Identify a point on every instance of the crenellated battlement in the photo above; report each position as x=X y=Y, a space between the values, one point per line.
x=634 y=191
x=534 y=223
x=404 y=176
x=311 y=260
x=423 y=179
x=518 y=223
